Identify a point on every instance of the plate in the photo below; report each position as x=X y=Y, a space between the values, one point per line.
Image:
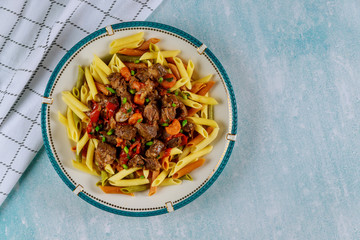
x=167 y=199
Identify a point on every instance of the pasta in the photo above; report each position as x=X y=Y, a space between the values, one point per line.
x=134 y=119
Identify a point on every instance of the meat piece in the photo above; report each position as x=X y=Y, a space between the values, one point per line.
x=148 y=88
x=156 y=71
x=174 y=142
x=124 y=112
x=182 y=111
x=152 y=164
x=126 y=132
x=105 y=154
x=155 y=149
x=142 y=74
x=189 y=129
x=170 y=101
x=118 y=83
x=147 y=131
x=111 y=139
x=136 y=161
x=103 y=100
x=151 y=112
x=154 y=95
x=168 y=114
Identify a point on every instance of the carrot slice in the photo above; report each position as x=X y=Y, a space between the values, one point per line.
x=139 y=100
x=169 y=80
x=174 y=127
x=189 y=168
x=135 y=118
x=146 y=44
x=125 y=72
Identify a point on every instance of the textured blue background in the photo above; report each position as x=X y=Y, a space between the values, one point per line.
x=294 y=171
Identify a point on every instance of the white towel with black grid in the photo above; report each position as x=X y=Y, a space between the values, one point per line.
x=34 y=36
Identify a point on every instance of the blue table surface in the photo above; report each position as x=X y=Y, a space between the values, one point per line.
x=294 y=171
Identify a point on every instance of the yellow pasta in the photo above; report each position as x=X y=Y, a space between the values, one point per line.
x=123 y=173
x=90 y=155
x=94 y=74
x=84 y=93
x=175 y=151
x=132 y=41
x=79 y=113
x=201 y=99
x=75 y=102
x=170 y=181
x=204 y=112
x=84 y=168
x=116 y=62
x=154 y=48
x=191 y=157
x=190 y=103
x=101 y=65
x=206 y=141
x=179 y=83
x=129 y=182
x=204 y=79
x=146 y=173
x=90 y=83
x=74 y=132
x=81 y=143
x=64 y=121
x=160 y=178
x=102 y=75
x=203 y=121
x=201 y=130
x=190 y=68
x=166 y=54
x=109 y=169
x=160 y=58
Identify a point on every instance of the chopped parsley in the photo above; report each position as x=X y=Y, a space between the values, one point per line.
x=149 y=143
x=125 y=166
x=139 y=120
x=132 y=91
x=165 y=124
x=184 y=123
x=110 y=132
x=160 y=80
x=174 y=105
x=124 y=100
x=110 y=89
x=169 y=79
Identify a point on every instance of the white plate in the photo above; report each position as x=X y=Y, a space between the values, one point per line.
x=166 y=199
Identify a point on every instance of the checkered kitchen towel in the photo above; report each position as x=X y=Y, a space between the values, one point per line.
x=34 y=36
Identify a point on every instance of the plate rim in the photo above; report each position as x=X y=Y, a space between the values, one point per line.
x=173 y=30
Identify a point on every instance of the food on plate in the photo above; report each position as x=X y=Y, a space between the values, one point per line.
x=139 y=121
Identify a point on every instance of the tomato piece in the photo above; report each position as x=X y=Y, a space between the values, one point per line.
x=135 y=118
x=125 y=72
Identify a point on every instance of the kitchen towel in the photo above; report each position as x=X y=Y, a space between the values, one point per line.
x=34 y=36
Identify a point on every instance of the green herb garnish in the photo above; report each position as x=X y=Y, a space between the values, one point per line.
x=147 y=100
x=169 y=79
x=125 y=166
x=110 y=132
x=124 y=100
x=139 y=120
x=132 y=72
x=103 y=139
x=160 y=80
x=126 y=149
x=129 y=110
x=142 y=177
x=184 y=123
x=136 y=61
x=174 y=105
x=132 y=91
x=149 y=143
x=110 y=89
x=164 y=124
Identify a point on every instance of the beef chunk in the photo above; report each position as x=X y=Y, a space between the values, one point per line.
x=124 y=112
x=151 y=112
x=147 y=131
x=118 y=83
x=168 y=114
x=156 y=71
x=105 y=154
x=155 y=149
x=169 y=100
x=136 y=161
x=182 y=111
x=111 y=139
x=174 y=142
x=152 y=164
x=189 y=129
x=126 y=132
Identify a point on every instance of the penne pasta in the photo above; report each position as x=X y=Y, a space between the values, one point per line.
x=129 y=182
x=132 y=189
x=84 y=93
x=109 y=169
x=201 y=99
x=64 y=121
x=90 y=155
x=84 y=168
x=191 y=157
x=201 y=130
x=123 y=173
x=79 y=113
x=175 y=151
x=75 y=102
x=206 y=141
x=114 y=190
x=190 y=68
x=133 y=41
x=204 y=79
x=153 y=189
x=81 y=143
x=98 y=63
x=203 y=121
x=74 y=132
x=160 y=178
x=90 y=83
x=153 y=55
x=189 y=168
x=145 y=45
x=190 y=103
x=199 y=138
x=170 y=181
x=94 y=74
x=179 y=83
